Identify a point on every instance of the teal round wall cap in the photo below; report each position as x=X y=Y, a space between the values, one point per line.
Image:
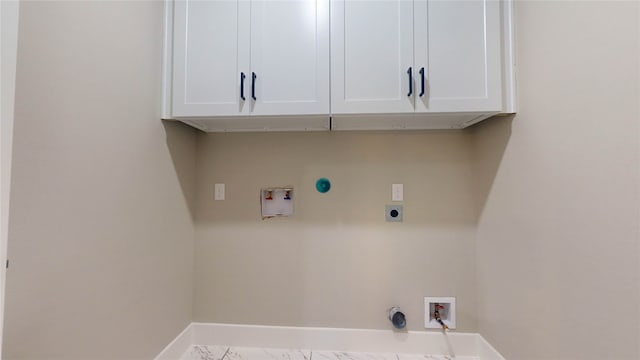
x=323 y=185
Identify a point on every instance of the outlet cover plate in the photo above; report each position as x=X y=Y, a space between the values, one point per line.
x=393 y=213
x=218 y=192
x=397 y=192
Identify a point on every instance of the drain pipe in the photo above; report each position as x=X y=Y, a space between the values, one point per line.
x=397 y=318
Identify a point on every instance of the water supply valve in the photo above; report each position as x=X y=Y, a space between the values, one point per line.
x=440 y=313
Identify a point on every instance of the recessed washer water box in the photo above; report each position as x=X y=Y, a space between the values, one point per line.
x=276 y=202
x=446 y=307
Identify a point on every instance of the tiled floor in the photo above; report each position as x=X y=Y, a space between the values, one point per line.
x=201 y=352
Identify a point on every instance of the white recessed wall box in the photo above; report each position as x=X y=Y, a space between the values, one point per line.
x=276 y=202
x=443 y=308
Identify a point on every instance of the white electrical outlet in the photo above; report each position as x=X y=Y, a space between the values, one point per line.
x=219 y=192
x=397 y=192
x=446 y=309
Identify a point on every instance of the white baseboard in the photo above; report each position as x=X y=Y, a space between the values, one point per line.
x=330 y=339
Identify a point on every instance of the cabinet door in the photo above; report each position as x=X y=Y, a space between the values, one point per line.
x=290 y=57
x=211 y=50
x=458 y=45
x=371 y=56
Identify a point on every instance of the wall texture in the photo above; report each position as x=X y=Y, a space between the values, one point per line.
x=101 y=232
x=559 y=233
x=336 y=262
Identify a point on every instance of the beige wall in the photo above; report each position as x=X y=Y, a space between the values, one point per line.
x=101 y=235
x=336 y=263
x=558 y=238
x=103 y=200
x=9 y=14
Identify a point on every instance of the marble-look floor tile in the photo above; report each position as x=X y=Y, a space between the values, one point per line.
x=416 y=357
x=343 y=355
x=422 y=357
x=203 y=352
x=246 y=353
x=434 y=357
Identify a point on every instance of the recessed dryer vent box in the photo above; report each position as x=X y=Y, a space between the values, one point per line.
x=446 y=308
x=276 y=202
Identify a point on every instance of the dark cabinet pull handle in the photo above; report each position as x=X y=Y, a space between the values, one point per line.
x=242 y=76
x=253 y=86
x=410 y=81
x=422 y=81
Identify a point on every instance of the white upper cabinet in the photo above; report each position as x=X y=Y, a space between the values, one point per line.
x=403 y=56
x=281 y=65
x=210 y=53
x=290 y=57
x=458 y=55
x=371 y=56
x=259 y=57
